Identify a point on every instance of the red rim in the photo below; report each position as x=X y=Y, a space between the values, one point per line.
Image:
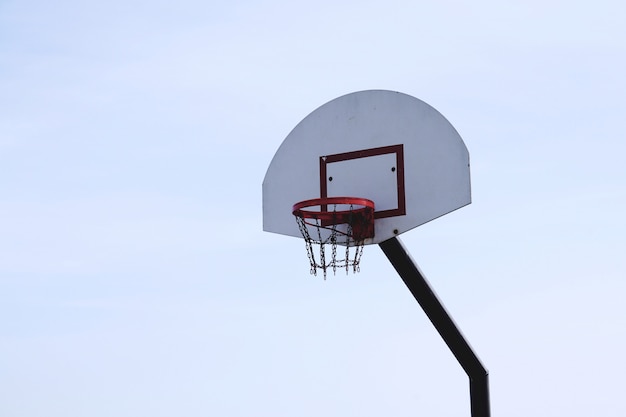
x=338 y=216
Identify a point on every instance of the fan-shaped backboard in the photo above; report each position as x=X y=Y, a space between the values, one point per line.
x=385 y=146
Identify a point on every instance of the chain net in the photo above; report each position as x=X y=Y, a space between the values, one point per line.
x=349 y=259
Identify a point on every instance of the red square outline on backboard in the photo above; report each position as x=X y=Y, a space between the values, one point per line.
x=365 y=153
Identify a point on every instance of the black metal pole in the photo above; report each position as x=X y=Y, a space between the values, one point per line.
x=436 y=312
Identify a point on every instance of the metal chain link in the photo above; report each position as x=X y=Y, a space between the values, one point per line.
x=332 y=240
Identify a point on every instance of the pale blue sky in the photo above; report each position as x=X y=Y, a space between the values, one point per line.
x=134 y=275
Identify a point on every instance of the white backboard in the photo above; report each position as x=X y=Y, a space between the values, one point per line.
x=381 y=145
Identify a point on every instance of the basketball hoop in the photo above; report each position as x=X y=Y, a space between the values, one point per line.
x=344 y=221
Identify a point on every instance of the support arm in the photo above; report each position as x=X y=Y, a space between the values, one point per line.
x=436 y=312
